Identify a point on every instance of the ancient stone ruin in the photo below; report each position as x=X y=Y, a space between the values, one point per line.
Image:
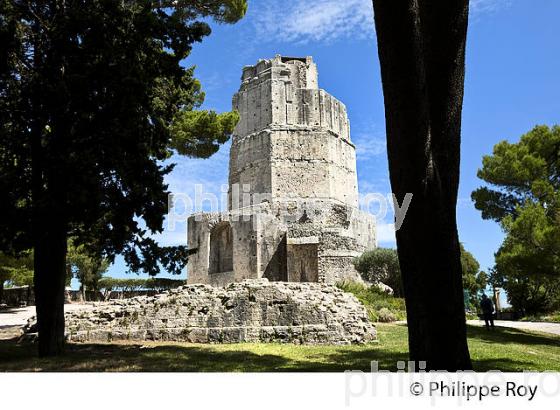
x=250 y=311
x=293 y=198
x=292 y=220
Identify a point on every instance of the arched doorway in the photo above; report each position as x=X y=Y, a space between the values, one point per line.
x=221 y=248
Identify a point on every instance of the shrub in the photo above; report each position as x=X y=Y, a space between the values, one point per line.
x=381 y=306
x=385 y=315
x=471 y=316
x=381 y=265
x=550 y=317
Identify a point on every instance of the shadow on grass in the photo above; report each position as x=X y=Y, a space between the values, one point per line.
x=134 y=357
x=513 y=350
x=502 y=365
x=197 y=358
x=503 y=349
x=506 y=335
x=362 y=360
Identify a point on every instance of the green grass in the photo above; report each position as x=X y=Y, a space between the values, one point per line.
x=502 y=349
x=377 y=302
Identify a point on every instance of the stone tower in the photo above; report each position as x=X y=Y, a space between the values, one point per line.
x=291 y=155
x=293 y=138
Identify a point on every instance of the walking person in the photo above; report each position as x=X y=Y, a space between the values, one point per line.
x=487 y=311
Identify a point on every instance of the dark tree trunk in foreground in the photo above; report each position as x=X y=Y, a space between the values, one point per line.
x=50 y=246
x=50 y=235
x=49 y=279
x=422 y=54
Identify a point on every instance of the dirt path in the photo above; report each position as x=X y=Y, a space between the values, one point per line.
x=12 y=319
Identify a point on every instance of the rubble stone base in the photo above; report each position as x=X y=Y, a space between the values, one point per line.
x=250 y=311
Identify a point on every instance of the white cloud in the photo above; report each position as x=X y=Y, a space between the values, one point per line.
x=478 y=7
x=368 y=146
x=302 y=21
x=211 y=173
x=376 y=184
x=369 y=139
x=322 y=20
x=386 y=234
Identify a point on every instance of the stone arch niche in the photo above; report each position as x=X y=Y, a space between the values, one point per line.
x=221 y=248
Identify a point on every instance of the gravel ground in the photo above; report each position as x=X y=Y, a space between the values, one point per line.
x=546 y=327
x=12 y=319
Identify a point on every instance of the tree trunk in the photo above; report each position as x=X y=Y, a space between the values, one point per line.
x=49 y=279
x=48 y=186
x=50 y=237
x=421 y=49
x=1 y=290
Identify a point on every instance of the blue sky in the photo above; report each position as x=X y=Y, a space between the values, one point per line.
x=513 y=61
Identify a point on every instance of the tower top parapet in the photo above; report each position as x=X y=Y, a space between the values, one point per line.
x=284 y=92
x=301 y=71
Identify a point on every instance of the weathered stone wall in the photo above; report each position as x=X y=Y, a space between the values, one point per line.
x=312 y=164
x=248 y=228
x=249 y=164
x=294 y=163
x=264 y=239
x=250 y=311
x=291 y=154
x=292 y=137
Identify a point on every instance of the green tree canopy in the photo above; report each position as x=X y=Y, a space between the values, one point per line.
x=94 y=99
x=474 y=281
x=98 y=86
x=381 y=265
x=17 y=271
x=524 y=198
x=85 y=266
x=520 y=174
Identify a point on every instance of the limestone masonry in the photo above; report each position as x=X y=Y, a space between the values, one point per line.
x=251 y=311
x=293 y=198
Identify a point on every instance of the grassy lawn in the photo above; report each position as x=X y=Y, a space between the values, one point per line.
x=503 y=349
